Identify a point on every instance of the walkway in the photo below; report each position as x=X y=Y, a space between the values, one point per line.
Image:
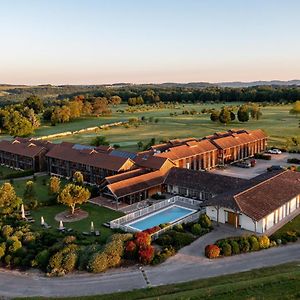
x=188 y=264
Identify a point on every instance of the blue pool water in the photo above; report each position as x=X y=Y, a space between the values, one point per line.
x=168 y=215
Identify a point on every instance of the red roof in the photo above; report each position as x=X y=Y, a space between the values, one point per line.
x=28 y=149
x=91 y=157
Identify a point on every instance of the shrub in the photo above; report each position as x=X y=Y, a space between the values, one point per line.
x=226 y=249
x=146 y=254
x=163 y=255
x=98 y=263
x=262 y=156
x=180 y=239
x=254 y=244
x=244 y=245
x=2 y=249
x=142 y=239
x=212 y=251
x=164 y=240
x=7 y=230
x=178 y=228
x=152 y=230
x=290 y=236
x=42 y=259
x=121 y=237
x=85 y=255
x=114 y=251
x=235 y=247
x=205 y=221
x=264 y=242
x=69 y=239
x=131 y=249
x=196 y=229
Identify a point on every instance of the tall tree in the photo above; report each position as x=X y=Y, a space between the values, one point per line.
x=17 y=125
x=296 y=108
x=72 y=195
x=225 y=116
x=243 y=113
x=214 y=116
x=54 y=185
x=35 y=103
x=9 y=201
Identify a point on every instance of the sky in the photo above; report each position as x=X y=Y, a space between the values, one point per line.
x=143 y=41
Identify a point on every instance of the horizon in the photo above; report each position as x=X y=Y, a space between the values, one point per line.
x=96 y=42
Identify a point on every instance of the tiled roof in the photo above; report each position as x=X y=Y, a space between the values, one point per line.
x=28 y=149
x=192 y=149
x=91 y=157
x=262 y=194
x=236 y=138
x=137 y=184
x=203 y=181
x=262 y=199
x=125 y=175
x=151 y=162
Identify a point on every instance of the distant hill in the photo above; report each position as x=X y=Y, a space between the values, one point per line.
x=237 y=84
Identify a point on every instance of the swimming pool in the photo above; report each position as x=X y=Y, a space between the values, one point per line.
x=169 y=214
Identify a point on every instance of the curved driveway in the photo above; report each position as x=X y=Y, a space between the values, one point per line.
x=187 y=264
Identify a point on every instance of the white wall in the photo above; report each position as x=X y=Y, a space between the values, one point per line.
x=248 y=224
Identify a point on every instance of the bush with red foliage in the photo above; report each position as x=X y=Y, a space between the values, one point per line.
x=212 y=251
x=146 y=254
x=152 y=230
x=142 y=239
x=130 y=249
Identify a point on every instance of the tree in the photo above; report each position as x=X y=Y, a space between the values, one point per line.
x=224 y=116
x=31 y=117
x=243 y=113
x=296 y=108
x=8 y=199
x=140 y=144
x=72 y=195
x=54 y=185
x=35 y=103
x=87 y=108
x=214 y=116
x=115 y=100
x=29 y=192
x=100 y=106
x=78 y=178
x=255 y=112
x=100 y=140
x=75 y=108
x=17 y=125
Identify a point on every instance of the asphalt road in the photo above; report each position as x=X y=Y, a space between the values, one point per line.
x=188 y=264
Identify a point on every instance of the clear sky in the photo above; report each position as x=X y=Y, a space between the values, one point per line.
x=106 y=41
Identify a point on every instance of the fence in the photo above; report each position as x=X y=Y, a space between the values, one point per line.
x=120 y=222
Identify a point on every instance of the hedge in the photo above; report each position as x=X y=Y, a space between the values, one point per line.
x=18 y=175
x=262 y=156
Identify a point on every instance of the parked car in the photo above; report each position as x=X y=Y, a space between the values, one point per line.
x=276 y=167
x=274 y=151
x=243 y=164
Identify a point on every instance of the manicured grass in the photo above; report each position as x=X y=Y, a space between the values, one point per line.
x=97 y=214
x=280 y=282
x=290 y=226
x=40 y=188
x=274 y=119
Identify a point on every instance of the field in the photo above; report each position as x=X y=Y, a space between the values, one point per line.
x=276 y=121
x=293 y=225
x=280 y=282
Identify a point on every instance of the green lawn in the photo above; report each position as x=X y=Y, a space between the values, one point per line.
x=97 y=214
x=274 y=119
x=280 y=282
x=292 y=225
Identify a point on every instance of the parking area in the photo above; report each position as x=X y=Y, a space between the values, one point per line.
x=260 y=167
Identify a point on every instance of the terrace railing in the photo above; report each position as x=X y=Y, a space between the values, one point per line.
x=120 y=222
x=142 y=212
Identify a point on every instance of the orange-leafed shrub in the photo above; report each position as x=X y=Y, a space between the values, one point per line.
x=130 y=249
x=142 y=239
x=212 y=251
x=146 y=254
x=152 y=230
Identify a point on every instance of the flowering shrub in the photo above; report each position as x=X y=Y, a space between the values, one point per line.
x=152 y=230
x=264 y=242
x=212 y=251
x=146 y=254
x=130 y=249
x=142 y=239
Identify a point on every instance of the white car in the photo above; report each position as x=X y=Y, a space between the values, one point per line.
x=274 y=151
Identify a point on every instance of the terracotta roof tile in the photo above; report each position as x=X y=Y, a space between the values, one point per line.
x=28 y=149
